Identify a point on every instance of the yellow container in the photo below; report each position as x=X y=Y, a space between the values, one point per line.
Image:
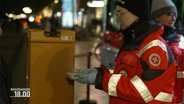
x=50 y=58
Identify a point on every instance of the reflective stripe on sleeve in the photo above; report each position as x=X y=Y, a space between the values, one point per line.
x=164 y=97
x=142 y=89
x=180 y=74
x=152 y=44
x=181 y=43
x=113 y=81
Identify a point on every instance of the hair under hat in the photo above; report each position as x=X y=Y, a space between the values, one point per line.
x=160 y=7
x=140 y=8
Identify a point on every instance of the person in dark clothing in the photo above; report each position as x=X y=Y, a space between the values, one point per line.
x=4 y=78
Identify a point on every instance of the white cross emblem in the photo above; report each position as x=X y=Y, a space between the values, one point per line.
x=154 y=59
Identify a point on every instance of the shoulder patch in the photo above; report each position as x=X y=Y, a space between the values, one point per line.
x=154 y=59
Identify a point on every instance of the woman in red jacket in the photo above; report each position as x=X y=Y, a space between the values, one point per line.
x=165 y=12
x=144 y=71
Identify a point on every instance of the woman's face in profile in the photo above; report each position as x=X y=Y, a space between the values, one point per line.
x=124 y=17
x=167 y=19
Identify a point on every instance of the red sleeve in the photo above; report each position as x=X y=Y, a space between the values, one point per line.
x=133 y=88
x=156 y=58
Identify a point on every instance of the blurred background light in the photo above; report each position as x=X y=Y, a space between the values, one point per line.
x=95 y=4
x=56 y=1
x=27 y=10
x=31 y=19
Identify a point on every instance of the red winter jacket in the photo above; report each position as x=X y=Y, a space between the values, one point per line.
x=144 y=73
x=177 y=48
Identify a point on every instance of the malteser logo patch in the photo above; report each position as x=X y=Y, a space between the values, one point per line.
x=154 y=59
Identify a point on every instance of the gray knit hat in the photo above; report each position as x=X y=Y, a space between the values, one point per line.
x=160 y=7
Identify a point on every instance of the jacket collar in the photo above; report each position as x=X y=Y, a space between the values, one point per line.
x=141 y=29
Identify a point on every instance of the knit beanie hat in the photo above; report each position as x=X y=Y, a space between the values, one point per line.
x=140 y=8
x=160 y=7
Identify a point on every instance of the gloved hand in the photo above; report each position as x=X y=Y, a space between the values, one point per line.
x=87 y=76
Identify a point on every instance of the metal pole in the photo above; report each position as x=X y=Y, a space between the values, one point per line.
x=88 y=66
